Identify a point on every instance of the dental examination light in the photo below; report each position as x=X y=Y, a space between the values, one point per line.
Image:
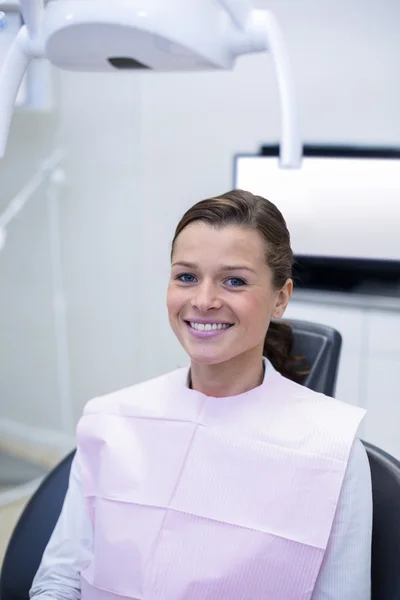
x=156 y=35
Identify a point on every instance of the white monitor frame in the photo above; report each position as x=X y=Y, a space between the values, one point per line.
x=343 y=204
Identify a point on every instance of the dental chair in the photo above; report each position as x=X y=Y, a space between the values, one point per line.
x=321 y=345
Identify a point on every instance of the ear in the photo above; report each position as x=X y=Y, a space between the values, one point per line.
x=282 y=298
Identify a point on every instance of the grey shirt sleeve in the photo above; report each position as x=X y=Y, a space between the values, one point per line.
x=69 y=549
x=346 y=569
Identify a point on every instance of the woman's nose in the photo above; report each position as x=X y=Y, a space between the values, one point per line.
x=206 y=297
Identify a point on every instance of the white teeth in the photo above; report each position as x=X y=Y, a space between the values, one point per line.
x=209 y=326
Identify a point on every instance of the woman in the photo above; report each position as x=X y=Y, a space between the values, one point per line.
x=227 y=481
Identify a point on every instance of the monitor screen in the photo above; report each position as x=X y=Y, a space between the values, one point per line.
x=337 y=206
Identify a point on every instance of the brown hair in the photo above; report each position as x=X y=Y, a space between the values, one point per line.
x=243 y=209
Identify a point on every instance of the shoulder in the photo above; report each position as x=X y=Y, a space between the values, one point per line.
x=355 y=501
x=358 y=471
x=315 y=404
x=148 y=392
x=353 y=519
x=325 y=424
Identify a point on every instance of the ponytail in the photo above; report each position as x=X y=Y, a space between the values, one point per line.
x=278 y=348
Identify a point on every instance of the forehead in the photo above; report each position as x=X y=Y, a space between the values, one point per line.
x=199 y=240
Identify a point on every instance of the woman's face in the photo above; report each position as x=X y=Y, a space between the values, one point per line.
x=220 y=295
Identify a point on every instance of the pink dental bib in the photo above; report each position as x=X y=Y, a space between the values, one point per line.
x=199 y=498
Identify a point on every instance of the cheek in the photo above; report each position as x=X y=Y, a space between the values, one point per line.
x=255 y=310
x=175 y=300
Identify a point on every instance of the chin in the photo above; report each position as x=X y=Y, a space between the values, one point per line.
x=205 y=360
x=208 y=358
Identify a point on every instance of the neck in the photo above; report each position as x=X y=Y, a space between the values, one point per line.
x=231 y=378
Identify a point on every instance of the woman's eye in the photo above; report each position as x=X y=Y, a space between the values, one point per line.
x=186 y=278
x=236 y=282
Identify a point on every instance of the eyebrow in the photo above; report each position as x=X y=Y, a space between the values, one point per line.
x=222 y=268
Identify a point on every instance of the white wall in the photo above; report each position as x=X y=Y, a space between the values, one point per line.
x=27 y=345
x=143 y=148
x=100 y=222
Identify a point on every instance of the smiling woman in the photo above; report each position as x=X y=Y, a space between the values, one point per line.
x=226 y=479
x=232 y=263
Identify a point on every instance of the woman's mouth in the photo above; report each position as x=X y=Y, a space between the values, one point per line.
x=207 y=330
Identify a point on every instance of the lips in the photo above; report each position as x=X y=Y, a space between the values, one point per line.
x=207 y=329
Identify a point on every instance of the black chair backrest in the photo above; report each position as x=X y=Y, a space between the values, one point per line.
x=385 y=573
x=32 y=533
x=321 y=346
